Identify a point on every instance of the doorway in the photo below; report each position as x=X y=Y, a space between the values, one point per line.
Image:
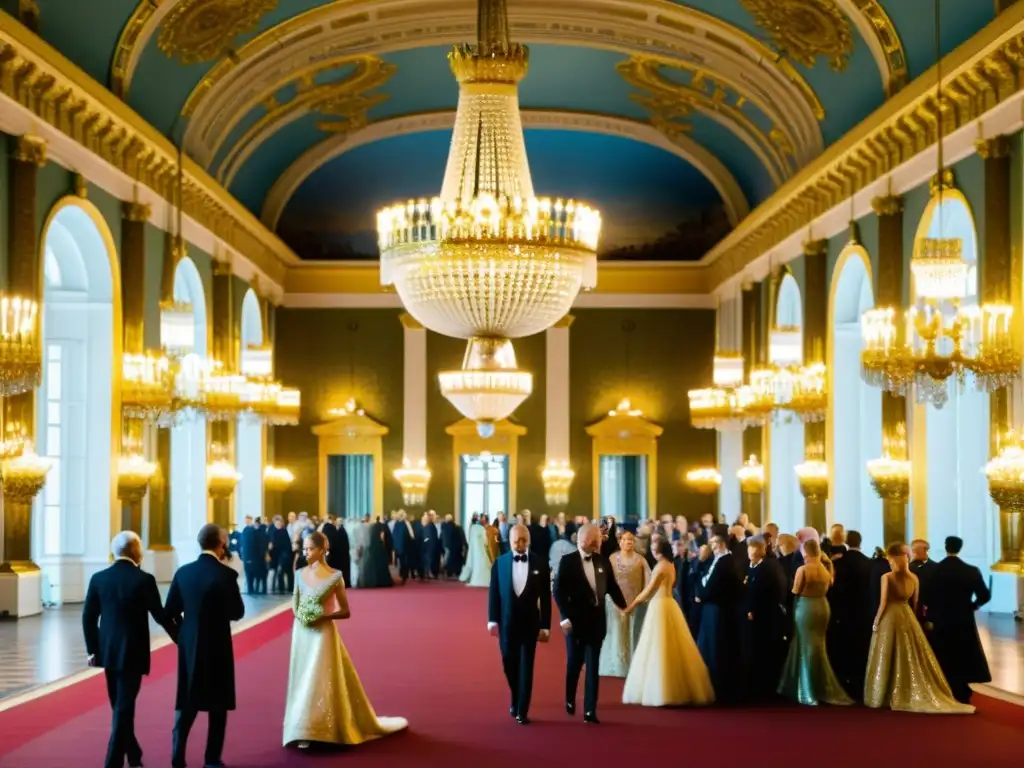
x=484 y=485
x=350 y=486
x=623 y=482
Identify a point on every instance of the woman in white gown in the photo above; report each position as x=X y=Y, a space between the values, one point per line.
x=666 y=669
x=477 y=570
x=326 y=702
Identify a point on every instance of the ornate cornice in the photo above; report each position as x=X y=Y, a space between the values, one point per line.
x=30 y=149
x=980 y=75
x=878 y=31
x=42 y=81
x=682 y=146
x=376 y=27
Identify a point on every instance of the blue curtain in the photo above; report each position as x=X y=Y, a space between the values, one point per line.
x=623 y=482
x=336 y=485
x=358 y=485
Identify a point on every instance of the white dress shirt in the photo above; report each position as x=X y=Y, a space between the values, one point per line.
x=707 y=576
x=588 y=571
x=520 y=573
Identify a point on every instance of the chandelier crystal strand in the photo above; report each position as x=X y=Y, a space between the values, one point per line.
x=486 y=260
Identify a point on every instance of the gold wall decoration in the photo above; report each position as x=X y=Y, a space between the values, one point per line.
x=672 y=100
x=126 y=44
x=805 y=30
x=889 y=43
x=346 y=100
x=204 y=30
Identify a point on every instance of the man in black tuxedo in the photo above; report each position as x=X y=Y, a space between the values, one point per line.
x=922 y=566
x=519 y=615
x=584 y=578
x=853 y=603
x=115 y=620
x=282 y=556
x=764 y=620
x=957 y=591
x=719 y=595
x=204 y=600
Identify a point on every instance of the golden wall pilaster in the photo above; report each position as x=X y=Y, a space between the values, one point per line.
x=815 y=328
x=753 y=357
x=225 y=350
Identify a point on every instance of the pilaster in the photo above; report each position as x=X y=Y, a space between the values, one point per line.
x=557 y=434
x=815 y=329
x=414 y=391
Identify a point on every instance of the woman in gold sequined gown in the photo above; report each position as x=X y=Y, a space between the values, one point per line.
x=326 y=702
x=903 y=673
x=631 y=574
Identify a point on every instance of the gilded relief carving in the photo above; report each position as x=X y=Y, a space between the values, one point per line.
x=805 y=30
x=672 y=98
x=204 y=30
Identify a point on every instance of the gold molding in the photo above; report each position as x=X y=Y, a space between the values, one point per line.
x=40 y=79
x=351 y=434
x=889 y=43
x=625 y=433
x=805 y=30
x=466 y=440
x=199 y=31
x=993 y=148
x=31 y=149
x=120 y=76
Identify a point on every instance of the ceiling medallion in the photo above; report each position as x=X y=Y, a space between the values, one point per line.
x=805 y=30
x=203 y=30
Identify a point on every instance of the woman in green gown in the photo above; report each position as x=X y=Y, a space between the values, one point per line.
x=903 y=673
x=807 y=676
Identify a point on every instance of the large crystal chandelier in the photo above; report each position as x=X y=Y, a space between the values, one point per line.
x=486 y=260
x=718 y=406
x=941 y=337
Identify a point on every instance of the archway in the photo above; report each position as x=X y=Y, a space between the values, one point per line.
x=952 y=448
x=188 y=436
x=785 y=504
x=78 y=405
x=250 y=435
x=855 y=409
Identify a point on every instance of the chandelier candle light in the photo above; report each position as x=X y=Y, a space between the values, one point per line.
x=718 y=407
x=20 y=361
x=486 y=260
x=277 y=479
x=414 y=480
x=133 y=476
x=23 y=477
x=812 y=475
x=147 y=389
x=1005 y=473
x=557 y=477
x=221 y=479
x=751 y=477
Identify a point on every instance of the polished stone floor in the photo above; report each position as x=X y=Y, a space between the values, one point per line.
x=1003 y=639
x=42 y=649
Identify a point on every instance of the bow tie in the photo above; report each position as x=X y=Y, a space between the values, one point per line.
x=520 y=558
x=586 y=558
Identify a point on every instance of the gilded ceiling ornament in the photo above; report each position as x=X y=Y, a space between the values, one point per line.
x=805 y=30
x=203 y=30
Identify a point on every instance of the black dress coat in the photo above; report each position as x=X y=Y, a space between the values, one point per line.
x=720 y=594
x=519 y=618
x=763 y=618
x=957 y=590
x=115 y=618
x=576 y=600
x=203 y=601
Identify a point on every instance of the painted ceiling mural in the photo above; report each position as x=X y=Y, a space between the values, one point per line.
x=675 y=119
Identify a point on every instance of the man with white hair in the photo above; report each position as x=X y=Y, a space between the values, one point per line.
x=118 y=604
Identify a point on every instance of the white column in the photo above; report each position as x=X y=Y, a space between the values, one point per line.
x=557 y=394
x=730 y=443
x=414 y=414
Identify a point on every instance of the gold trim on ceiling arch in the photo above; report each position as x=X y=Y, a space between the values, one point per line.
x=805 y=30
x=345 y=104
x=629 y=26
x=682 y=146
x=882 y=39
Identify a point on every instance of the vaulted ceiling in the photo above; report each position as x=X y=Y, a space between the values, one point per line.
x=675 y=118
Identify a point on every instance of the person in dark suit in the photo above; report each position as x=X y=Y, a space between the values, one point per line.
x=957 y=591
x=282 y=556
x=923 y=567
x=115 y=620
x=763 y=619
x=854 y=605
x=584 y=578
x=519 y=615
x=203 y=601
x=719 y=595
x=261 y=551
x=248 y=545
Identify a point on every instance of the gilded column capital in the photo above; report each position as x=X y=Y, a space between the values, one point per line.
x=887 y=205
x=815 y=247
x=994 y=148
x=410 y=322
x=31 y=149
x=942 y=181
x=222 y=267
x=81 y=185
x=135 y=211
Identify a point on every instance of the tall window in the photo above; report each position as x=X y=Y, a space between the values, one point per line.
x=623 y=484
x=484 y=486
x=53 y=446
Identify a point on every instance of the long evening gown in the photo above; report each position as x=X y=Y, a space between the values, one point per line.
x=903 y=673
x=623 y=631
x=807 y=676
x=666 y=669
x=326 y=702
x=477 y=570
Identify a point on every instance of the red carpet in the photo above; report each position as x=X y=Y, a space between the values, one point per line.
x=423 y=653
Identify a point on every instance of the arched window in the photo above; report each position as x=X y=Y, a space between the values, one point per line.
x=953 y=499
x=74 y=412
x=855 y=434
x=188 y=437
x=785 y=504
x=249 y=443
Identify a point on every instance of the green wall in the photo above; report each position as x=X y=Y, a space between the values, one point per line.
x=318 y=353
x=670 y=351
x=443 y=354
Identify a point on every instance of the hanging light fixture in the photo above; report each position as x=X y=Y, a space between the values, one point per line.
x=414 y=480
x=940 y=338
x=20 y=357
x=486 y=260
x=557 y=477
x=705 y=480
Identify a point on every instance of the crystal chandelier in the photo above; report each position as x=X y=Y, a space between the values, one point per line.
x=414 y=480
x=147 y=388
x=706 y=480
x=277 y=479
x=808 y=399
x=24 y=476
x=223 y=393
x=221 y=478
x=941 y=338
x=718 y=407
x=758 y=399
x=751 y=476
x=20 y=359
x=486 y=260
x=557 y=477
x=133 y=476
x=177 y=328
x=812 y=475
x=15 y=439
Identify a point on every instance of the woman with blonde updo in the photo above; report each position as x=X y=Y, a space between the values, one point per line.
x=807 y=676
x=326 y=702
